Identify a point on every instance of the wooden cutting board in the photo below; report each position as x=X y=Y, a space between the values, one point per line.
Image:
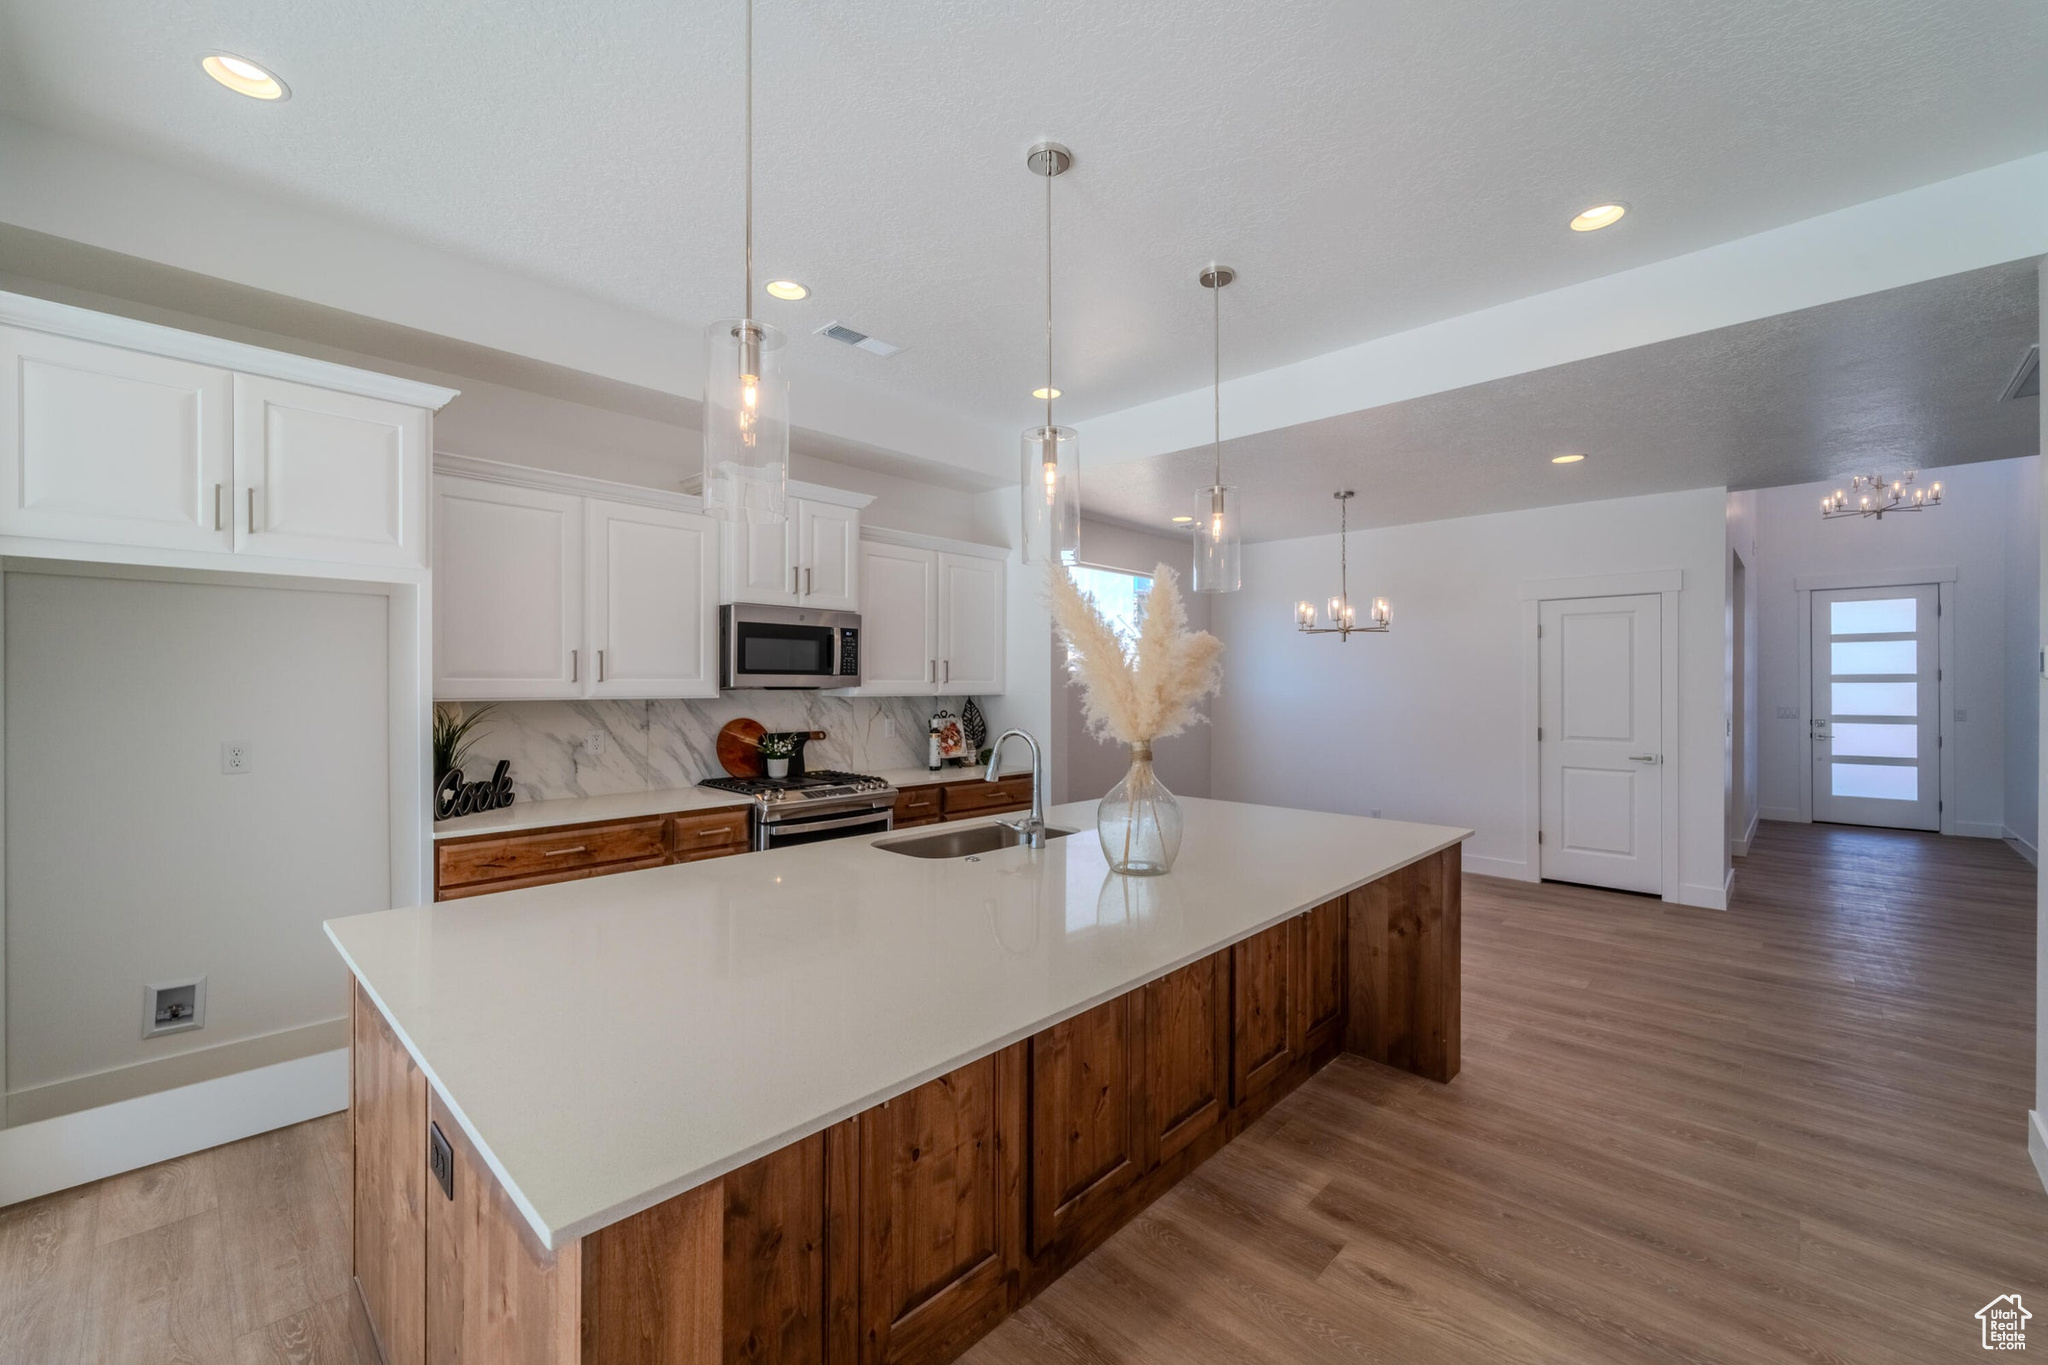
x=739 y=747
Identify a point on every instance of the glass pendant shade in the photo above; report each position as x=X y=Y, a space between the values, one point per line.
x=746 y=422
x=1051 y=483
x=1217 y=540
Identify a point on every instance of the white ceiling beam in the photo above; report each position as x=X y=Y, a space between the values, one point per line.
x=1984 y=218
x=69 y=188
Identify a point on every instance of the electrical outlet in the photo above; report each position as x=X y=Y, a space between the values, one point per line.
x=593 y=744
x=235 y=757
x=1961 y=714
x=888 y=728
x=1374 y=814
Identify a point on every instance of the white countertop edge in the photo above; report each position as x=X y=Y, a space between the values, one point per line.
x=554 y=1239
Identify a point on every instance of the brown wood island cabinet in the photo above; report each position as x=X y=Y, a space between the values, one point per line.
x=902 y=1234
x=961 y=799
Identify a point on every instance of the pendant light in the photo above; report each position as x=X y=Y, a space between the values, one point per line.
x=1217 y=533
x=746 y=398
x=1050 y=481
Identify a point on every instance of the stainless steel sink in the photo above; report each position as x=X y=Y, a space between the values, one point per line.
x=963 y=842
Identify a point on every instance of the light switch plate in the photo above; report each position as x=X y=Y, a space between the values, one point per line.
x=1788 y=713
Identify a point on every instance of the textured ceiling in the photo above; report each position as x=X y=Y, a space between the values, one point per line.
x=1907 y=378
x=1366 y=167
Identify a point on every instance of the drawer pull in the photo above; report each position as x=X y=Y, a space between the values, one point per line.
x=562 y=852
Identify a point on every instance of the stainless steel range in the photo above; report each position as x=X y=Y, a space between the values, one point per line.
x=821 y=805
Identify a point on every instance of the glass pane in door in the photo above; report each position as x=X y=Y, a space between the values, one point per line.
x=1879 y=781
x=1876 y=699
x=1879 y=616
x=1875 y=656
x=1858 y=740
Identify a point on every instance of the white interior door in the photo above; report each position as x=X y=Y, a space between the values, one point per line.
x=1601 y=741
x=653 y=614
x=1877 y=706
x=899 y=649
x=508 y=591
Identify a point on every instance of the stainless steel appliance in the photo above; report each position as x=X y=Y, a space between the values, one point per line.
x=808 y=807
x=763 y=646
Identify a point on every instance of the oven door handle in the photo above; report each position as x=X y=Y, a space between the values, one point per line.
x=806 y=826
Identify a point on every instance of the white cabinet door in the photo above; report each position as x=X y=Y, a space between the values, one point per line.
x=970 y=618
x=1601 y=747
x=828 y=555
x=113 y=446
x=653 y=601
x=508 y=591
x=757 y=565
x=899 y=647
x=327 y=475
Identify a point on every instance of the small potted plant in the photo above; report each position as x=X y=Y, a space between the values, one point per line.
x=776 y=751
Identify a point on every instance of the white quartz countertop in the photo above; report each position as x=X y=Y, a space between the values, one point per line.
x=581 y=810
x=609 y=1043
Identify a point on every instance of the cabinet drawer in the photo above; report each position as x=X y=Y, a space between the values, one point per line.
x=713 y=834
x=545 y=852
x=962 y=799
x=916 y=806
x=574 y=874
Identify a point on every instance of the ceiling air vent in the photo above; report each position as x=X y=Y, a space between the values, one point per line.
x=2026 y=380
x=839 y=331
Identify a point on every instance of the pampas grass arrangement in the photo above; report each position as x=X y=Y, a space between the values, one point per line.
x=1151 y=691
x=1135 y=696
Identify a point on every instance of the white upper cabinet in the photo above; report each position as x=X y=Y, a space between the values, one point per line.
x=652 y=614
x=931 y=621
x=970 y=625
x=809 y=559
x=326 y=475
x=828 y=555
x=508 y=591
x=112 y=446
x=899 y=647
x=115 y=432
x=758 y=565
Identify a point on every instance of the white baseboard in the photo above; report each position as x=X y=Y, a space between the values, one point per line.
x=1739 y=846
x=1975 y=829
x=1705 y=897
x=73 y=1149
x=2037 y=1144
x=1514 y=869
x=2025 y=846
x=1789 y=814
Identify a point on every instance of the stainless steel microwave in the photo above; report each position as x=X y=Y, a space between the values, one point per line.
x=763 y=646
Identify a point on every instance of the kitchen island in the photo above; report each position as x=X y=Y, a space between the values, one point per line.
x=831 y=1103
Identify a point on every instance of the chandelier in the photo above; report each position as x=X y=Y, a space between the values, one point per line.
x=1874 y=497
x=1340 y=617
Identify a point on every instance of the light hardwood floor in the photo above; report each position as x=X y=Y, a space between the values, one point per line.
x=1791 y=1131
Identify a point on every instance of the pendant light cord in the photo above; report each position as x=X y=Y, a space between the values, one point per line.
x=747 y=304
x=1344 y=550
x=1216 y=388
x=1050 y=162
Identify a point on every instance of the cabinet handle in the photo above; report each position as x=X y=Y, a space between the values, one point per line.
x=807 y=581
x=600 y=665
x=931 y=671
x=562 y=852
x=218 y=489
x=792 y=580
x=252 y=509
x=573 y=670
x=949 y=672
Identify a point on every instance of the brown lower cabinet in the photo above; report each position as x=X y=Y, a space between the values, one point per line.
x=901 y=1235
x=478 y=864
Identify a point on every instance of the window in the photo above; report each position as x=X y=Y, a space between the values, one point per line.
x=1118 y=595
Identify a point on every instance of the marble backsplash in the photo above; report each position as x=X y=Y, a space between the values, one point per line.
x=647 y=745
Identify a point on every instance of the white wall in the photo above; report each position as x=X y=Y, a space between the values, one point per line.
x=1972 y=531
x=1088 y=766
x=2022 y=702
x=132 y=858
x=1429 y=722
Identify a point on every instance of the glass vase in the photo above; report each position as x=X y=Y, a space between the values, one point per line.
x=1139 y=821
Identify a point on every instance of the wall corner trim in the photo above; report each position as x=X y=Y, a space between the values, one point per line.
x=2037 y=1144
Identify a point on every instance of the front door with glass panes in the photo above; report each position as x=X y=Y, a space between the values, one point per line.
x=1876 y=704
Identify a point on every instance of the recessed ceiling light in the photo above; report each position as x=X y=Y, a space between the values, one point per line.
x=1178 y=520
x=787 y=289
x=244 y=77
x=1043 y=394
x=1566 y=459
x=1599 y=216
